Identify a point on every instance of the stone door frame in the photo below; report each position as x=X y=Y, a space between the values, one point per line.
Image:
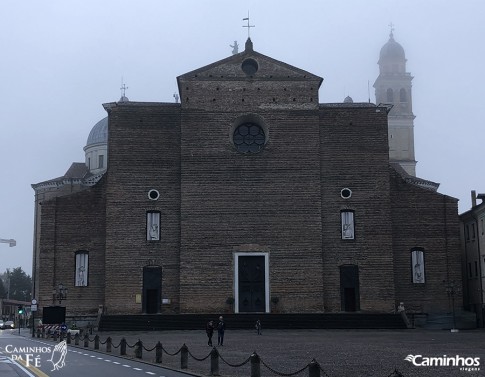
x=236 y=277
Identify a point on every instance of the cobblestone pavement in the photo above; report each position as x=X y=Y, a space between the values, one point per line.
x=340 y=353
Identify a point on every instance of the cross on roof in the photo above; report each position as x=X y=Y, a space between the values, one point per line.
x=391 y=25
x=248 y=26
x=123 y=89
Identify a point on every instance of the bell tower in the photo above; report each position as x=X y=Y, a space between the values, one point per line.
x=393 y=86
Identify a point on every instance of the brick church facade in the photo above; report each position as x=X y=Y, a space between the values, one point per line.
x=251 y=195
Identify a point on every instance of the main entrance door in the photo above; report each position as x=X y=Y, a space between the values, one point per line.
x=152 y=289
x=251 y=284
x=349 y=288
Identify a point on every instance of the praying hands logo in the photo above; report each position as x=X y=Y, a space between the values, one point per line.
x=59 y=356
x=410 y=358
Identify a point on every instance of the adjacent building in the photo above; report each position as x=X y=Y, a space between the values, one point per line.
x=473 y=254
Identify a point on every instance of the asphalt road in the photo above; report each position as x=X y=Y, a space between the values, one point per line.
x=27 y=357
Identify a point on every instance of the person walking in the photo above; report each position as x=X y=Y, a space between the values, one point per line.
x=258 y=327
x=221 y=327
x=209 y=329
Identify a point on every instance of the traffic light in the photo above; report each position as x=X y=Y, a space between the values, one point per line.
x=20 y=309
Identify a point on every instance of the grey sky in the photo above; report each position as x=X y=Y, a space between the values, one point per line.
x=61 y=60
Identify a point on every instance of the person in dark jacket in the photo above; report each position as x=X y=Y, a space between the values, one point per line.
x=209 y=329
x=221 y=327
x=258 y=327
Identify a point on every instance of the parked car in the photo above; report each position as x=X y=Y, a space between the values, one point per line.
x=9 y=325
x=2 y=324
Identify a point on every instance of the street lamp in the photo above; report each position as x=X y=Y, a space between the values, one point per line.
x=451 y=290
x=59 y=293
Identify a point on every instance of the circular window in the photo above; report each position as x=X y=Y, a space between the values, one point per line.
x=250 y=66
x=249 y=138
x=346 y=193
x=153 y=194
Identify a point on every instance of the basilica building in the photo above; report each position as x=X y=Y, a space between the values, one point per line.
x=252 y=194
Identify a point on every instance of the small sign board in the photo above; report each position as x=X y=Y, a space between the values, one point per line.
x=33 y=307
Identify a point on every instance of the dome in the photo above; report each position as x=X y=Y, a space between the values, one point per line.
x=99 y=133
x=348 y=99
x=392 y=49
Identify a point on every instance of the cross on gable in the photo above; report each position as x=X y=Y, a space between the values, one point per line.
x=248 y=26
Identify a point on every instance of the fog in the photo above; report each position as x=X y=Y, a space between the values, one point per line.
x=61 y=60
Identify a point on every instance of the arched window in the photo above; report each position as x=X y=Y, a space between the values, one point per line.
x=403 y=97
x=390 y=96
x=417 y=265
x=82 y=265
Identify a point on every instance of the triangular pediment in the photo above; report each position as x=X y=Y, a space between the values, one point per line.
x=248 y=81
x=259 y=67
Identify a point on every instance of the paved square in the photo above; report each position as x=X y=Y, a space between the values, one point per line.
x=339 y=352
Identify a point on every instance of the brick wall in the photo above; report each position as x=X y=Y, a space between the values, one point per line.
x=144 y=154
x=423 y=218
x=69 y=224
x=354 y=155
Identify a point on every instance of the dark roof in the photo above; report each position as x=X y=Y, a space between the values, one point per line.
x=424 y=183
x=77 y=170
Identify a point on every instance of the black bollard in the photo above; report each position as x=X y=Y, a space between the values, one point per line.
x=43 y=332
x=139 y=349
x=214 y=362
x=38 y=333
x=314 y=369
x=108 y=344
x=123 y=347
x=68 y=338
x=76 y=339
x=54 y=336
x=184 y=357
x=61 y=336
x=255 y=365
x=86 y=340
x=96 y=342
x=158 y=353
